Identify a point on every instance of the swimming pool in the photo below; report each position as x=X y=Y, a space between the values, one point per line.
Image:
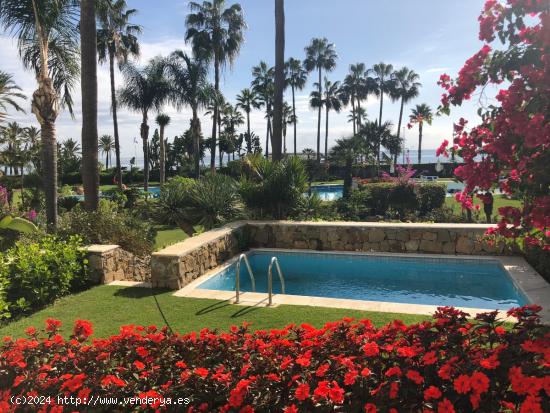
x=328 y=192
x=464 y=282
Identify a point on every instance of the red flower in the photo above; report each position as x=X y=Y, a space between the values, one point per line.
x=479 y=382
x=370 y=408
x=350 y=377
x=365 y=372
x=322 y=369
x=247 y=409
x=336 y=393
x=82 y=329
x=371 y=349
x=142 y=351
x=139 y=365
x=429 y=358
x=181 y=364
x=74 y=383
x=445 y=406
x=290 y=409
x=394 y=371
x=201 y=371
x=322 y=389
x=114 y=380
x=151 y=398
x=432 y=392
x=415 y=376
x=30 y=331
x=302 y=392
x=52 y=325
x=462 y=384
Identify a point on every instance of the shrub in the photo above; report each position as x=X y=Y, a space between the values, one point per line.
x=116 y=195
x=356 y=207
x=402 y=199
x=274 y=189
x=109 y=225
x=35 y=274
x=430 y=197
x=172 y=199
x=445 y=365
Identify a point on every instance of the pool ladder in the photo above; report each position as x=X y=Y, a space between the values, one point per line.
x=275 y=262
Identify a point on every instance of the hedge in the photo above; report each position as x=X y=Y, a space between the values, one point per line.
x=449 y=364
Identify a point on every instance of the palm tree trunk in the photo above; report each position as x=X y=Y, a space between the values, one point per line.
x=276 y=138
x=115 y=119
x=354 y=119
x=319 y=122
x=106 y=161
x=294 y=118
x=420 y=142
x=90 y=169
x=399 y=126
x=144 y=137
x=195 y=127
x=162 y=163
x=216 y=111
x=249 y=138
x=326 y=133
x=381 y=106
x=358 y=117
x=49 y=167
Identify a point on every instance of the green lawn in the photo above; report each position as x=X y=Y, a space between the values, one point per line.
x=336 y=182
x=499 y=201
x=167 y=236
x=109 y=307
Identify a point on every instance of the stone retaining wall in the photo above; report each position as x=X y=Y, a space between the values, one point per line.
x=179 y=264
x=111 y=263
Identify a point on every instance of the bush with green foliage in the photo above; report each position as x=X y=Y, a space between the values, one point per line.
x=109 y=225
x=34 y=274
x=274 y=189
x=172 y=198
x=431 y=196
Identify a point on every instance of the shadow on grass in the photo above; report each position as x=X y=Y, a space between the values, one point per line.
x=213 y=307
x=248 y=309
x=139 y=292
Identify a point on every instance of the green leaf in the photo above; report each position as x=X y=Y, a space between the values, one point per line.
x=21 y=225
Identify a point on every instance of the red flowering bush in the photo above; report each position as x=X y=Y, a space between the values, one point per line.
x=448 y=364
x=510 y=148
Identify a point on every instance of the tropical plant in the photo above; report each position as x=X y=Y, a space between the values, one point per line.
x=172 y=198
x=279 y=78
x=231 y=119
x=145 y=89
x=116 y=41
x=273 y=189
x=383 y=83
x=216 y=34
x=106 y=146
x=320 y=55
x=357 y=85
x=163 y=120
x=248 y=100
x=9 y=93
x=69 y=157
x=347 y=151
x=288 y=119
x=406 y=88
x=32 y=137
x=296 y=78
x=376 y=136
x=333 y=99
x=420 y=114
x=48 y=44
x=190 y=88
x=263 y=85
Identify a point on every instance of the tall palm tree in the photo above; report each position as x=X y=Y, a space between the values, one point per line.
x=358 y=116
x=406 y=89
x=263 y=86
x=216 y=33
x=376 y=136
x=9 y=93
x=116 y=41
x=248 y=100
x=163 y=120
x=190 y=88
x=277 y=138
x=145 y=89
x=296 y=78
x=356 y=85
x=106 y=146
x=88 y=84
x=232 y=118
x=332 y=99
x=32 y=135
x=347 y=152
x=383 y=82
x=420 y=114
x=320 y=55
x=288 y=119
x=48 y=44
x=11 y=137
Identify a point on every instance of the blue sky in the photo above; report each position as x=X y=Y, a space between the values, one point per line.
x=429 y=36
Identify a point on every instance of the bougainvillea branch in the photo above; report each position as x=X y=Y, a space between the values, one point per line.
x=510 y=148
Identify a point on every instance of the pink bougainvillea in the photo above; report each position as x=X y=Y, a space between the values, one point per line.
x=510 y=148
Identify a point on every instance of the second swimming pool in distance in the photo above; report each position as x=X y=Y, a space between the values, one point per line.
x=474 y=283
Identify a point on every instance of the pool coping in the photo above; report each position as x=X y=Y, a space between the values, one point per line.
x=524 y=277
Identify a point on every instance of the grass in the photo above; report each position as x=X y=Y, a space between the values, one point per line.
x=336 y=182
x=167 y=235
x=109 y=307
x=499 y=201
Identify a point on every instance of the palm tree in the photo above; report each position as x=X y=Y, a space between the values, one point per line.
x=145 y=89
x=263 y=86
x=11 y=137
x=277 y=138
x=406 y=88
x=357 y=116
x=116 y=41
x=420 y=114
x=9 y=93
x=288 y=119
x=376 y=136
x=356 y=86
x=216 y=34
x=320 y=54
x=47 y=37
x=190 y=88
x=163 y=120
x=333 y=99
x=88 y=83
x=32 y=135
x=248 y=100
x=296 y=77
x=347 y=151
x=232 y=118
x=106 y=145
x=383 y=82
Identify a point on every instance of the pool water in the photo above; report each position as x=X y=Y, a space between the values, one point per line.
x=328 y=192
x=440 y=281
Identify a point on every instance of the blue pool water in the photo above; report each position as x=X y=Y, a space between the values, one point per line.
x=328 y=192
x=443 y=281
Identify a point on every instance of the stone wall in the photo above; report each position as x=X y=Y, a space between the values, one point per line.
x=111 y=263
x=376 y=237
x=181 y=263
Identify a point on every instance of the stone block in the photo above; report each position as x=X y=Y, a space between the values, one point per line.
x=429 y=236
x=430 y=246
x=464 y=245
x=412 y=245
x=377 y=235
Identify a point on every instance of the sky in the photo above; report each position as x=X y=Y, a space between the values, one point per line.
x=429 y=36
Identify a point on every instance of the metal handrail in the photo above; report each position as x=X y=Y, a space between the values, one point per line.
x=237 y=276
x=275 y=261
